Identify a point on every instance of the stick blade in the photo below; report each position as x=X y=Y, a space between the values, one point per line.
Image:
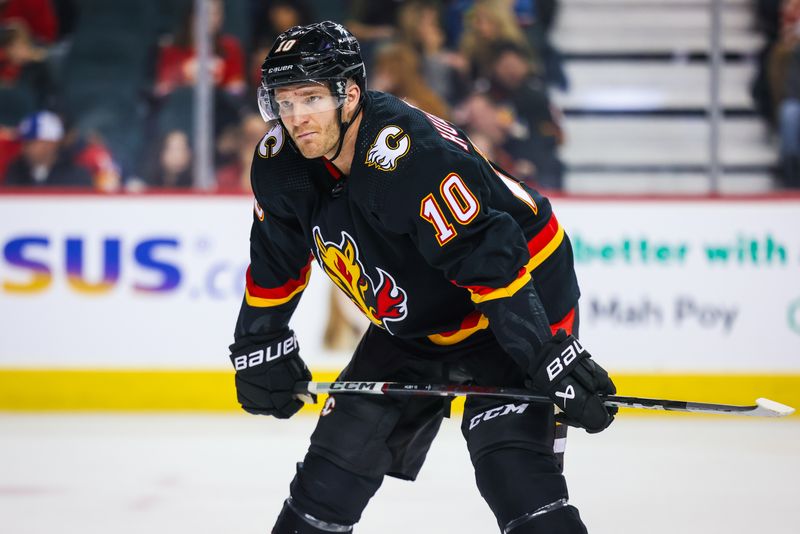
x=770 y=408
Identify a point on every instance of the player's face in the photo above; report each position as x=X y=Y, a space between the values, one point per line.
x=308 y=112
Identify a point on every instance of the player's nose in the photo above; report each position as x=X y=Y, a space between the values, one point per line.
x=298 y=119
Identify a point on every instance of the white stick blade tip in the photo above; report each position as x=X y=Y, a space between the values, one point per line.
x=776 y=408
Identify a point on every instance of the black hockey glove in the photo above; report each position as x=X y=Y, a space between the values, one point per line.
x=574 y=381
x=266 y=375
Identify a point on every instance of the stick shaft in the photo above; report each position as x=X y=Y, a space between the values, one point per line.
x=768 y=408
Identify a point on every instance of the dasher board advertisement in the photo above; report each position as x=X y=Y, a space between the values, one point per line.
x=156 y=282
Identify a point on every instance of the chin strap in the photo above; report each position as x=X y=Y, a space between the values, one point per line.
x=344 y=125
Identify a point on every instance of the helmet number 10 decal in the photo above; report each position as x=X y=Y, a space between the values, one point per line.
x=460 y=201
x=286 y=45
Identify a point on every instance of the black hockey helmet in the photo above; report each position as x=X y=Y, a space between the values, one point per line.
x=323 y=52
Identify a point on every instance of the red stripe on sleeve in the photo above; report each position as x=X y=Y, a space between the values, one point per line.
x=278 y=292
x=545 y=235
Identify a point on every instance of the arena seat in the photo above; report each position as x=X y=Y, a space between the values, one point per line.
x=639 y=95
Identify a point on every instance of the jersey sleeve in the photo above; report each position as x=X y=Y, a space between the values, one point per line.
x=448 y=209
x=452 y=210
x=279 y=271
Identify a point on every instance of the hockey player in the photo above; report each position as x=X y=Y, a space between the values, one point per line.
x=464 y=273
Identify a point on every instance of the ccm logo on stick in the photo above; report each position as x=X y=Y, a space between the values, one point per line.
x=497 y=412
x=352 y=386
x=568 y=355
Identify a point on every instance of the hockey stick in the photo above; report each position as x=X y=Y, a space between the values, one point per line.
x=762 y=407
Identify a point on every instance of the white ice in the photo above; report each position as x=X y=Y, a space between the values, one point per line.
x=203 y=474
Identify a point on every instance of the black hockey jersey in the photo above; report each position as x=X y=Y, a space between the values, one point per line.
x=422 y=231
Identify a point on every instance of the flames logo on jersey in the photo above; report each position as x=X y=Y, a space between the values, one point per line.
x=382 y=303
x=390 y=145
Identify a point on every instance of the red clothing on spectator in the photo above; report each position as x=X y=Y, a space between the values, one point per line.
x=97 y=159
x=39 y=15
x=229 y=178
x=790 y=19
x=175 y=67
x=10 y=147
x=9 y=71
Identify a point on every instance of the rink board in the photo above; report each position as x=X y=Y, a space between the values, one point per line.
x=120 y=302
x=213 y=391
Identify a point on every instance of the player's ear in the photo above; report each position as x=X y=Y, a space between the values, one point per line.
x=353 y=95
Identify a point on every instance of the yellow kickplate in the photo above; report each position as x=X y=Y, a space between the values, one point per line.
x=199 y=390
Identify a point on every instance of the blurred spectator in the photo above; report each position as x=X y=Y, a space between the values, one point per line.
x=397 y=71
x=171 y=167
x=768 y=22
x=177 y=62
x=168 y=160
x=790 y=17
x=485 y=125
x=92 y=154
x=488 y=22
x=67 y=13
x=453 y=21
x=270 y=19
x=235 y=154
x=10 y=146
x=789 y=123
x=44 y=161
x=781 y=53
x=444 y=71
x=23 y=64
x=38 y=16
x=541 y=12
x=373 y=22
x=175 y=114
x=534 y=130
x=535 y=19
x=546 y=13
x=784 y=89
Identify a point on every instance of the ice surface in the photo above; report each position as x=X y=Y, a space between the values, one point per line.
x=204 y=474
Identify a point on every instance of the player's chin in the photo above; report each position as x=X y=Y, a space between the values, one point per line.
x=311 y=150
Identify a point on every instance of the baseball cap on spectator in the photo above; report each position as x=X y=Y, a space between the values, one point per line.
x=42 y=126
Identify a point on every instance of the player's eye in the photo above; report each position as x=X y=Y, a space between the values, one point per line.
x=313 y=99
x=285 y=105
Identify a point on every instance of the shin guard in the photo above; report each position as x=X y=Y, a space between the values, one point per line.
x=526 y=492
x=329 y=494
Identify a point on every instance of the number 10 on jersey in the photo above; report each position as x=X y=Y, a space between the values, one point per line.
x=459 y=200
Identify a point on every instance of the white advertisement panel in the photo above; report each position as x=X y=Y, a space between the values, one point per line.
x=122 y=281
x=688 y=284
x=156 y=282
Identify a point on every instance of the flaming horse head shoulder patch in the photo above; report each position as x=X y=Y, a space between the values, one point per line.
x=390 y=145
x=382 y=303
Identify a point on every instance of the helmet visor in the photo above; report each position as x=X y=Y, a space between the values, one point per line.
x=287 y=100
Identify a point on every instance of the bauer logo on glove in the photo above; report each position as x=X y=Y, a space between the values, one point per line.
x=265 y=354
x=568 y=355
x=266 y=375
x=575 y=382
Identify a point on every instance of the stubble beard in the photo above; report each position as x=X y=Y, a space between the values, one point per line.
x=325 y=144
x=311 y=153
